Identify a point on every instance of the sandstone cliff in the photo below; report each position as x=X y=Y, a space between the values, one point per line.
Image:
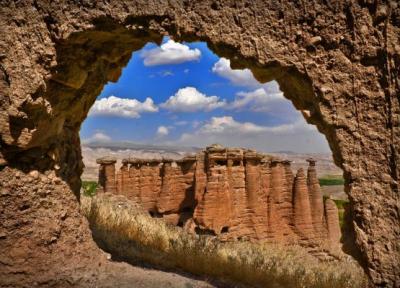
x=230 y=193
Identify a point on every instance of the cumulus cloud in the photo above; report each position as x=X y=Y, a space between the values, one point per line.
x=227 y=124
x=98 y=137
x=189 y=99
x=258 y=100
x=162 y=131
x=238 y=77
x=296 y=136
x=170 y=52
x=122 y=107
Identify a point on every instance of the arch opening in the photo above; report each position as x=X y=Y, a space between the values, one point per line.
x=98 y=56
x=298 y=86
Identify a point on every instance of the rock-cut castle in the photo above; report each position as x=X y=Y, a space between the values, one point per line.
x=230 y=193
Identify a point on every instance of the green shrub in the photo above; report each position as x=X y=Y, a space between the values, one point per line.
x=89 y=188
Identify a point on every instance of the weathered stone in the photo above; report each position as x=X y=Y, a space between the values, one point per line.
x=42 y=109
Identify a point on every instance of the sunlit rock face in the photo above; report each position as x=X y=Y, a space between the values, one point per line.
x=230 y=193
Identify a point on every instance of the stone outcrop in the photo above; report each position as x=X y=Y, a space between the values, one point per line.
x=338 y=62
x=231 y=193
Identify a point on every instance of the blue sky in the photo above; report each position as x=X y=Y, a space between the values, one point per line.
x=183 y=94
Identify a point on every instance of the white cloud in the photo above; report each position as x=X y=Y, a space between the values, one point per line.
x=162 y=131
x=170 y=52
x=98 y=137
x=226 y=124
x=296 y=136
x=189 y=99
x=181 y=123
x=122 y=107
x=238 y=77
x=258 y=100
x=166 y=73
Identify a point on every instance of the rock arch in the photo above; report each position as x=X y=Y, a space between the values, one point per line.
x=338 y=63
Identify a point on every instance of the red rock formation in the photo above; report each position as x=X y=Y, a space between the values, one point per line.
x=277 y=189
x=107 y=174
x=332 y=222
x=177 y=189
x=316 y=201
x=213 y=210
x=237 y=188
x=302 y=210
x=231 y=193
x=287 y=195
x=150 y=181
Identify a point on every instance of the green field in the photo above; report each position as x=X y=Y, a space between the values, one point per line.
x=89 y=188
x=330 y=180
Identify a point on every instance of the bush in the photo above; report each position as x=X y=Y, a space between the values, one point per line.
x=89 y=188
x=123 y=229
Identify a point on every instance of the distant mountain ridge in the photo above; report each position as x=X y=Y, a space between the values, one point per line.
x=123 y=145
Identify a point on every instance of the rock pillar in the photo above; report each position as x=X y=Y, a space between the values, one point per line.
x=302 y=212
x=150 y=182
x=133 y=186
x=253 y=186
x=316 y=199
x=274 y=203
x=332 y=222
x=107 y=174
x=213 y=211
x=286 y=206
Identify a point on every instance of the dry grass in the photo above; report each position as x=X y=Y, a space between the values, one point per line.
x=128 y=233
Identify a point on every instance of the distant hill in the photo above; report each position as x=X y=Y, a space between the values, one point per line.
x=123 y=145
x=93 y=150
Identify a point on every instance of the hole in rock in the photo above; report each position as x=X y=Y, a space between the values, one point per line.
x=225 y=229
x=236 y=163
x=149 y=131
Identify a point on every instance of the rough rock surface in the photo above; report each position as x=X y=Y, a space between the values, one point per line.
x=337 y=61
x=232 y=200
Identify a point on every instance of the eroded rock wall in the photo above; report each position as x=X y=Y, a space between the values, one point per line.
x=240 y=194
x=338 y=62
